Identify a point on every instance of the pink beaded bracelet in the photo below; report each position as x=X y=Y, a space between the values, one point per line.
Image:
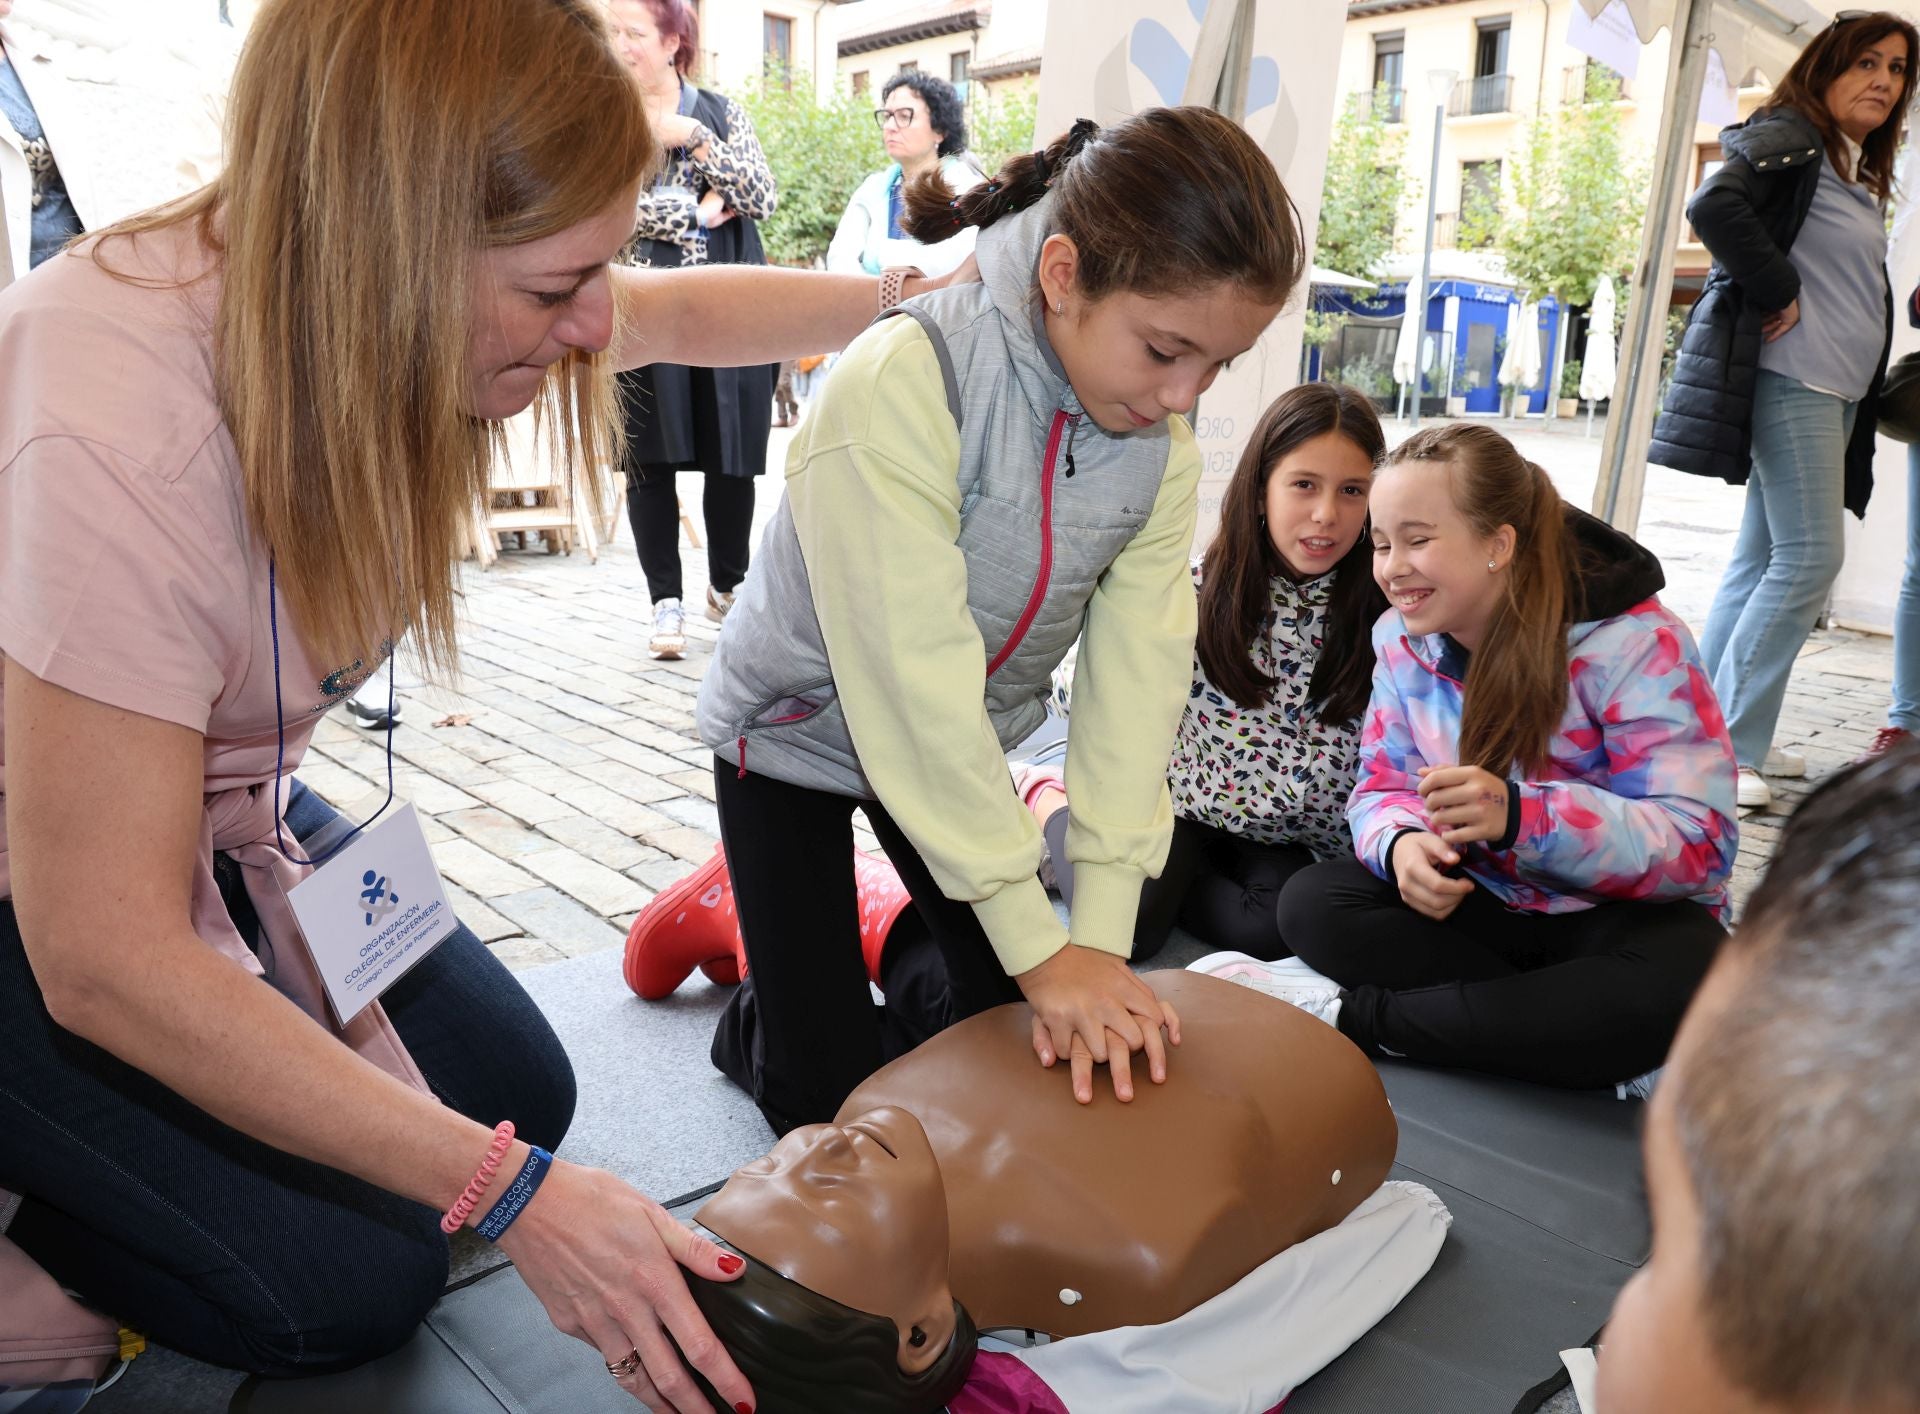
x=456 y=1216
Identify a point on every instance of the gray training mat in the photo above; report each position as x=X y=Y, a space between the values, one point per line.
x=1549 y=1222
x=1548 y=1225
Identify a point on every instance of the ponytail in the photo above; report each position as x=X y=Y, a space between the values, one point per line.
x=1173 y=200
x=932 y=212
x=1516 y=688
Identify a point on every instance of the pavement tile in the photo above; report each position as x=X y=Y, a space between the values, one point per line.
x=524 y=802
x=487 y=925
x=480 y=872
x=559 y=922
x=606 y=891
x=601 y=843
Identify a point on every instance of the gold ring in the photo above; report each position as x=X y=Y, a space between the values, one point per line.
x=625 y=1365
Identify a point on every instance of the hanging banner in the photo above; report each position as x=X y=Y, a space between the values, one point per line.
x=1608 y=36
x=1107 y=59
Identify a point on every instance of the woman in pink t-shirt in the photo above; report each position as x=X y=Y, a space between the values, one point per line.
x=238 y=439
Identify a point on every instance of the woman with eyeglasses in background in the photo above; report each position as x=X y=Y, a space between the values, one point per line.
x=924 y=128
x=1780 y=371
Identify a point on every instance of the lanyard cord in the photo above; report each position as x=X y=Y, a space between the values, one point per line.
x=280 y=730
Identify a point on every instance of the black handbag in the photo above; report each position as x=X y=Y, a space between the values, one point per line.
x=1898 y=411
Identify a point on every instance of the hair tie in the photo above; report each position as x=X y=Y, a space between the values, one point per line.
x=1040 y=166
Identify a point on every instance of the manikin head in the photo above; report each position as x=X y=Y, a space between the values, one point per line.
x=844 y=1228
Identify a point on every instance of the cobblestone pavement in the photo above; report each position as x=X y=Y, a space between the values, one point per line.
x=562 y=785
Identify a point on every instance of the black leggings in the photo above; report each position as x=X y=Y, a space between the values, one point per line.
x=653 y=509
x=802 y=1031
x=1221 y=887
x=1579 y=999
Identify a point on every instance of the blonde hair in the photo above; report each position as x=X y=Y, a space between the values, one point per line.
x=374 y=149
x=1516 y=688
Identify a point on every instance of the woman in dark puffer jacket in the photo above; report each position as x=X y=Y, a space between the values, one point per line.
x=1780 y=368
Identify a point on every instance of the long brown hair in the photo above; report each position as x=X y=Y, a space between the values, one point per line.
x=1170 y=201
x=373 y=150
x=1830 y=54
x=1236 y=598
x=1516 y=688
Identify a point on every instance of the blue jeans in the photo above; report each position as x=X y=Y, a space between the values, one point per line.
x=215 y=1244
x=1786 y=558
x=1906 y=615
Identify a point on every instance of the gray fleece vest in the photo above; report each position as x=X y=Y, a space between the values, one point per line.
x=1048 y=500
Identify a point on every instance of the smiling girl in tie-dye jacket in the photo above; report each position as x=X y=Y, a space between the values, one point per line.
x=1544 y=817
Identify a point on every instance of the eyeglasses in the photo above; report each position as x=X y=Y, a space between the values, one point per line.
x=899 y=117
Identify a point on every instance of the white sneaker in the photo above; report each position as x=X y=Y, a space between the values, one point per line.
x=1784 y=764
x=719 y=605
x=1641 y=1086
x=669 y=638
x=1751 y=791
x=1289 y=979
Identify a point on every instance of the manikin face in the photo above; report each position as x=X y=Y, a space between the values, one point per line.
x=1865 y=94
x=536 y=302
x=1134 y=359
x=1433 y=565
x=908 y=143
x=637 y=39
x=856 y=1212
x=1316 y=503
x=1656 y=1355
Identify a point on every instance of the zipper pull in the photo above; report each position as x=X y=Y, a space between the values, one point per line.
x=1073 y=426
x=743 y=756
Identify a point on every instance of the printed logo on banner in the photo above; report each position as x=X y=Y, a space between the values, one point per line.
x=377 y=901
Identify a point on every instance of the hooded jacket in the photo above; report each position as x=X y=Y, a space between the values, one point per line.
x=953 y=523
x=1637 y=801
x=1748 y=215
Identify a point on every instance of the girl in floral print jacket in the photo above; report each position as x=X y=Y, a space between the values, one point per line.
x=1269 y=742
x=1544 y=818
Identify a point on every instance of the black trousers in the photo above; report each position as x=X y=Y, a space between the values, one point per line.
x=803 y=1030
x=1580 y=999
x=653 y=509
x=1221 y=887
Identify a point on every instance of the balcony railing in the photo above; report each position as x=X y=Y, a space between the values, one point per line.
x=1490 y=93
x=1446 y=230
x=1591 y=82
x=1383 y=104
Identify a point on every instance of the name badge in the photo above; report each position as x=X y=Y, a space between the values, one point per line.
x=372 y=911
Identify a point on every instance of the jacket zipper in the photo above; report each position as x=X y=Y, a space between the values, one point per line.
x=1061 y=421
x=747 y=723
x=1414 y=653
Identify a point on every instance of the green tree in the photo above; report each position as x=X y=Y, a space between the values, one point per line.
x=1000 y=126
x=1574 y=208
x=819 y=153
x=1364 y=186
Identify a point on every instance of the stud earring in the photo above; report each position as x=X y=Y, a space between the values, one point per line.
x=1059 y=309
x=918 y=1338
x=1491 y=566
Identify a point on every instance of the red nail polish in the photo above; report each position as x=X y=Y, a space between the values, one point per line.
x=743 y=1408
x=731 y=1264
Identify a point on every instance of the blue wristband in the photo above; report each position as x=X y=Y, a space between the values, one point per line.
x=519 y=1193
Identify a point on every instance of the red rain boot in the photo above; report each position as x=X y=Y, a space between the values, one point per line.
x=881 y=898
x=689 y=924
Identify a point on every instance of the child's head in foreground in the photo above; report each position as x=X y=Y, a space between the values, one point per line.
x=1783 y=1143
